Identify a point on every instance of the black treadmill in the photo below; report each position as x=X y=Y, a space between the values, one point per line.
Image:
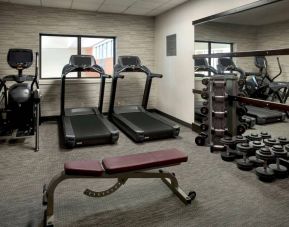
x=135 y=121
x=86 y=125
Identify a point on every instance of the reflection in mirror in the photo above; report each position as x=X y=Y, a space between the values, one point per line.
x=266 y=77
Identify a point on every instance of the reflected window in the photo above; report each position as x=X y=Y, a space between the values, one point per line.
x=208 y=47
x=56 y=51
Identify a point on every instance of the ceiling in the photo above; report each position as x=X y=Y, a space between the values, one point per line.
x=135 y=7
x=268 y=14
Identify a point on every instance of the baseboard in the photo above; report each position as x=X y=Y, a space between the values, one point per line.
x=170 y=117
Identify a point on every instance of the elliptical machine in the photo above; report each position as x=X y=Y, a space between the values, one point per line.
x=20 y=102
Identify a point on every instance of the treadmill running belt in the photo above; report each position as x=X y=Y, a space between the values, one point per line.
x=88 y=127
x=148 y=124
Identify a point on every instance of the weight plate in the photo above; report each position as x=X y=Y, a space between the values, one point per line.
x=266 y=175
x=227 y=156
x=244 y=165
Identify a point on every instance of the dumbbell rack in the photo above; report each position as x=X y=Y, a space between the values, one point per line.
x=221 y=113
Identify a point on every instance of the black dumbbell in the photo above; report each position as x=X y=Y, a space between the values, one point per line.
x=256 y=145
x=244 y=163
x=265 y=135
x=254 y=137
x=283 y=140
x=238 y=139
x=205 y=95
x=270 y=142
x=241 y=129
x=205 y=81
x=200 y=140
x=279 y=170
x=264 y=173
x=227 y=155
x=204 y=110
x=204 y=127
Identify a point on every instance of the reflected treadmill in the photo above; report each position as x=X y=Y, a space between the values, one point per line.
x=85 y=125
x=135 y=121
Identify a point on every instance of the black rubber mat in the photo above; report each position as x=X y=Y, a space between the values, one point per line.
x=88 y=126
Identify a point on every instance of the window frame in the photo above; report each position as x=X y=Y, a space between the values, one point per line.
x=210 y=48
x=79 y=37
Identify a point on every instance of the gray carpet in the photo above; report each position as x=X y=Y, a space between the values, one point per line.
x=226 y=196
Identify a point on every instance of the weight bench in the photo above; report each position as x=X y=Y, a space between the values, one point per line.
x=122 y=168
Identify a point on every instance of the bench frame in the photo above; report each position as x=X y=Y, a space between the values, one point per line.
x=168 y=178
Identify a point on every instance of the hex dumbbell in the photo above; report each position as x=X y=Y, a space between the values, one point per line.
x=244 y=163
x=228 y=155
x=256 y=145
x=254 y=137
x=238 y=139
x=264 y=173
x=270 y=142
x=279 y=170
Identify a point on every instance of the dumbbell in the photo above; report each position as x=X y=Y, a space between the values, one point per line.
x=283 y=140
x=238 y=139
x=279 y=170
x=264 y=173
x=270 y=142
x=200 y=140
x=227 y=155
x=256 y=145
x=205 y=93
x=244 y=163
x=205 y=81
x=254 y=137
x=265 y=135
x=204 y=110
x=241 y=129
x=204 y=127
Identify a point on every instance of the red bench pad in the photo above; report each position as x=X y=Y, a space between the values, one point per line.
x=84 y=167
x=141 y=161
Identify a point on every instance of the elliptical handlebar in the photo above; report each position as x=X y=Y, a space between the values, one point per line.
x=280 y=69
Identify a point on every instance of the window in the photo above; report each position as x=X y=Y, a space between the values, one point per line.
x=57 y=49
x=207 y=47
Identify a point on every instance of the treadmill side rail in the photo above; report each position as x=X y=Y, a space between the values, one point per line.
x=129 y=128
x=111 y=128
x=167 y=122
x=68 y=133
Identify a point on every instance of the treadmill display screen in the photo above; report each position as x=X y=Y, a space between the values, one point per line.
x=129 y=60
x=81 y=60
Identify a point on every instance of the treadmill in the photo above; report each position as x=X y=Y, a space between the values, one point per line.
x=135 y=121
x=85 y=125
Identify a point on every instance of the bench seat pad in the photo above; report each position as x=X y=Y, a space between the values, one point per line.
x=142 y=161
x=84 y=167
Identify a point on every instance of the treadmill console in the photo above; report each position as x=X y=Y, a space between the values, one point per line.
x=124 y=61
x=82 y=61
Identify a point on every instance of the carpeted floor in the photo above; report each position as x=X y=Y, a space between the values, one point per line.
x=226 y=196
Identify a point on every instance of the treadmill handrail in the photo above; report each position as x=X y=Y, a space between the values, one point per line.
x=74 y=68
x=119 y=69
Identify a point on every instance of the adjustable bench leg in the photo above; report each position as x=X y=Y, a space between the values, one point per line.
x=49 y=193
x=172 y=183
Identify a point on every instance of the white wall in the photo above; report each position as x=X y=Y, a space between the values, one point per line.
x=175 y=89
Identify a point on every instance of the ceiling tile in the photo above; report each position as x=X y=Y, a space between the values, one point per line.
x=57 y=3
x=112 y=8
x=26 y=2
x=120 y=2
x=90 y=5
